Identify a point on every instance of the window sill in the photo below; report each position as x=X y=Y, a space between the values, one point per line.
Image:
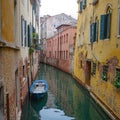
x=106 y=39
x=118 y=36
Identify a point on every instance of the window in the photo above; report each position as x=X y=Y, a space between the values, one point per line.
x=93 y=69
x=24 y=71
x=105 y=24
x=119 y=20
x=118 y=73
x=117 y=78
x=105 y=73
x=23 y=31
x=84 y=4
x=29 y=40
x=94 y=32
x=66 y=54
x=50 y=54
x=81 y=6
x=66 y=38
x=55 y=54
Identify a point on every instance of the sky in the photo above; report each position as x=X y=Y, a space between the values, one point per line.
x=54 y=7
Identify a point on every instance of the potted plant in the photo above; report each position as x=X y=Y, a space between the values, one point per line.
x=104 y=76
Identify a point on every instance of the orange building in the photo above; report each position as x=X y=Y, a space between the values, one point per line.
x=60 y=48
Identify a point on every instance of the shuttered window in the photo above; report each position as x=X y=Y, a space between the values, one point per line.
x=93 y=69
x=91 y=33
x=105 y=25
x=119 y=21
x=81 y=4
x=84 y=4
x=108 y=25
x=94 y=32
x=29 y=40
x=105 y=73
x=23 y=32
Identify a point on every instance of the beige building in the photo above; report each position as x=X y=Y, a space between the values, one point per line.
x=16 y=29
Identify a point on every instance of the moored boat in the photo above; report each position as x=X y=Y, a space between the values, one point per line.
x=38 y=88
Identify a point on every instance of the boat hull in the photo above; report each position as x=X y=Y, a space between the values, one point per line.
x=39 y=92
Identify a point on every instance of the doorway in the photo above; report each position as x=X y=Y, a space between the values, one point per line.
x=88 y=73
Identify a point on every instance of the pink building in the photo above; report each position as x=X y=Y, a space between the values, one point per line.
x=60 y=48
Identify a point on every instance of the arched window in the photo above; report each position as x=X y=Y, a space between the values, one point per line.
x=105 y=23
x=67 y=38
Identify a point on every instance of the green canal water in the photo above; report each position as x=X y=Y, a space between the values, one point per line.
x=65 y=100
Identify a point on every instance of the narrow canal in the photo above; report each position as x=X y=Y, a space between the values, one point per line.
x=66 y=100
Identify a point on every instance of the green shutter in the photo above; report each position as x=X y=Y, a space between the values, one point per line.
x=108 y=25
x=84 y=4
x=96 y=31
x=91 y=33
x=25 y=32
x=29 y=36
x=21 y=31
x=103 y=27
x=81 y=6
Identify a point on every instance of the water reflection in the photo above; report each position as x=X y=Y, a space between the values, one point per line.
x=65 y=97
x=71 y=97
x=37 y=105
x=53 y=114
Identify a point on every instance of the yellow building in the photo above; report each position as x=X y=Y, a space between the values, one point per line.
x=97 y=51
